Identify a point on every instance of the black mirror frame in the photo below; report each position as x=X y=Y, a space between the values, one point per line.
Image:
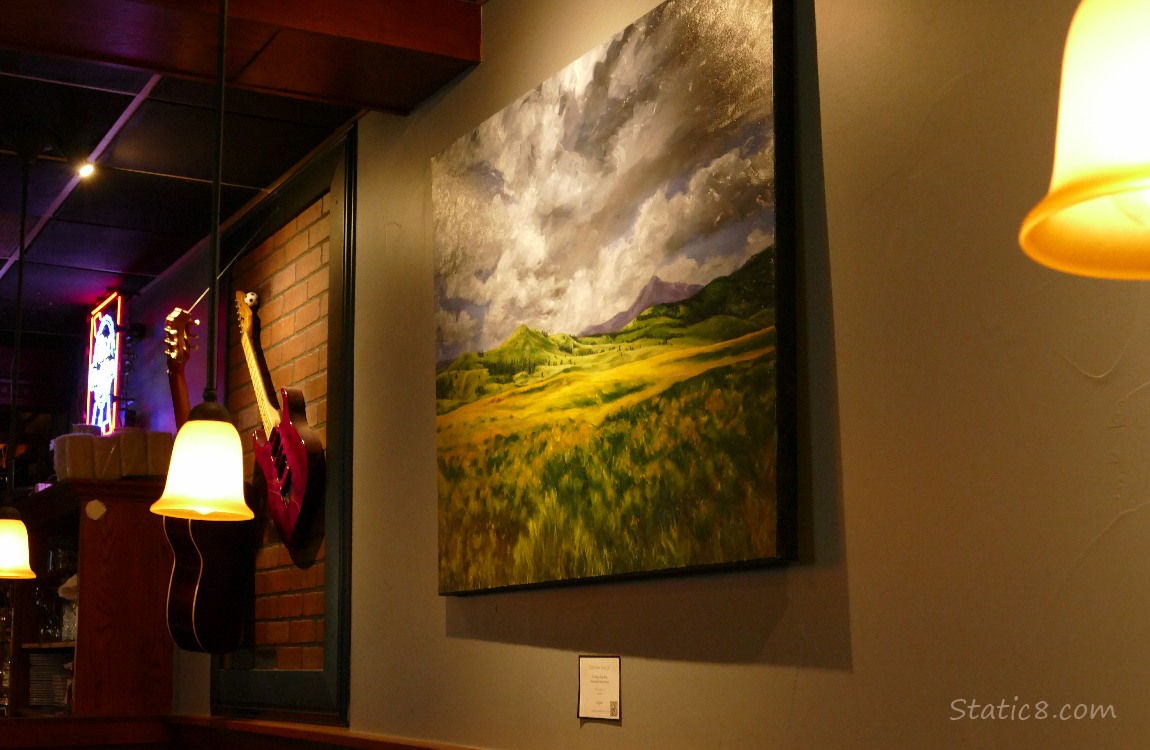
x=317 y=696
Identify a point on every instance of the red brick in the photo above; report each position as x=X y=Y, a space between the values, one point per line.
x=293 y=347
x=293 y=297
x=310 y=215
x=312 y=657
x=279 y=581
x=278 y=282
x=290 y=605
x=270 y=309
x=315 y=388
x=282 y=377
x=278 y=631
x=307 y=314
x=308 y=263
x=282 y=235
x=318 y=284
x=306 y=366
x=313 y=603
x=320 y=233
x=303 y=578
x=266 y=607
x=302 y=631
x=260 y=633
x=277 y=333
x=267 y=558
x=315 y=337
x=295 y=247
x=289 y=658
x=273 y=357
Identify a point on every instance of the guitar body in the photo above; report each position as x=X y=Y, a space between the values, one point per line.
x=212 y=584
x=291 y=460
x=213 y=564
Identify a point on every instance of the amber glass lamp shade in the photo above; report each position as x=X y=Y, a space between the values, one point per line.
x=206 y=475
x=13 y=545
x=1095 y=221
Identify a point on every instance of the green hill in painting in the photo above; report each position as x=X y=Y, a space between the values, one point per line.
x=745 y=294
x=726 y=308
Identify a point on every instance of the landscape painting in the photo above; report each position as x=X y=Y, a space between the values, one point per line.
x=607 y=285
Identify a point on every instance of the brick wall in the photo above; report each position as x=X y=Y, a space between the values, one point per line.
x=290 y=273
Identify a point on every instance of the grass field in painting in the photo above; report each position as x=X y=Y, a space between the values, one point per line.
x=646 y=449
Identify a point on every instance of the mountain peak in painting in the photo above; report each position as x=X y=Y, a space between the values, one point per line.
x=656 y=292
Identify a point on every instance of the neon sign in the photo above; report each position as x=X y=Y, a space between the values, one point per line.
x=104 y=362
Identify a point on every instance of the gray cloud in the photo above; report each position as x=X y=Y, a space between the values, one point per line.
x=652 y=154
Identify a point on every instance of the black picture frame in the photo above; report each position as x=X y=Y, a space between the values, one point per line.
x=314 y=696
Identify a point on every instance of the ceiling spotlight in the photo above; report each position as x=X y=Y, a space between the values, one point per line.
x=86 y=169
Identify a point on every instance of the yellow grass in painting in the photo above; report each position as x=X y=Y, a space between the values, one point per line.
x=665 y=460
x=577 y=395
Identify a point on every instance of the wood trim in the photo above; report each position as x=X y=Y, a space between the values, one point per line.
x=440 y=27
x=72 y=732
x=387 y=55
x=224 y=734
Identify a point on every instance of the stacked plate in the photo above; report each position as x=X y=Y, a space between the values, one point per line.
x=48 y=676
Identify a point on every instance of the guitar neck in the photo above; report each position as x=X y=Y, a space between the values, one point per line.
x=179 y=388
x=269 y=415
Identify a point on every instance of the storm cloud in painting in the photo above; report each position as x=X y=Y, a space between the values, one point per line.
x=652 y=155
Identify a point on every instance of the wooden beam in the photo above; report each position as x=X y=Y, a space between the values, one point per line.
x=439 y=27
x=370 y=54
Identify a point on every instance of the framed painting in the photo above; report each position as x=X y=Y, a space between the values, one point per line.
x=614 y=278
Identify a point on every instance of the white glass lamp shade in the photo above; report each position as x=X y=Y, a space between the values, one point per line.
x=13 y=546
x=1095 y=221
x=206 y=475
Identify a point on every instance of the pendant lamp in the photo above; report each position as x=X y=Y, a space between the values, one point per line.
x=205 y=477
x=13 y=545
x=1095 y=221
x=13 y=532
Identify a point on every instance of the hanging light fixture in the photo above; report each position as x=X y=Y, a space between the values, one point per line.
x=13 y=533
x=13 y=545
x=205 y=478
x=1095 y=221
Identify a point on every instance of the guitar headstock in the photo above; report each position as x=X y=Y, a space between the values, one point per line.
x=178 y=336
x=246 y=305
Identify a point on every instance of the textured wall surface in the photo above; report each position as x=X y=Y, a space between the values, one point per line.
x=974 y=460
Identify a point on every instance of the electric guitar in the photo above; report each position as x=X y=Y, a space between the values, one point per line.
x=213 y=562
x=288 y=453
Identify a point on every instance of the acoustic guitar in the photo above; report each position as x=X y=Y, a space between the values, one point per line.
x=211 y=589
x=288 y=453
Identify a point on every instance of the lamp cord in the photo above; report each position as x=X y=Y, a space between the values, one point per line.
x=217 y=179
x=16 y=335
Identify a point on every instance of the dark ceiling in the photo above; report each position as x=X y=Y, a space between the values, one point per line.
x=130 y=85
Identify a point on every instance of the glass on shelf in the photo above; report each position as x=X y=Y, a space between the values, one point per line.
x=48 y=615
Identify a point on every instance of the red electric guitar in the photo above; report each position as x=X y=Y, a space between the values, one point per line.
x=287 y=452
x=213 y=565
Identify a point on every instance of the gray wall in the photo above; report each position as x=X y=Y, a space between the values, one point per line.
x=974 y=469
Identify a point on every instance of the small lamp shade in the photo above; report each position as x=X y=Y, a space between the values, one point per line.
x=1095 y=221
x=206 y=475
x=13 y=546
